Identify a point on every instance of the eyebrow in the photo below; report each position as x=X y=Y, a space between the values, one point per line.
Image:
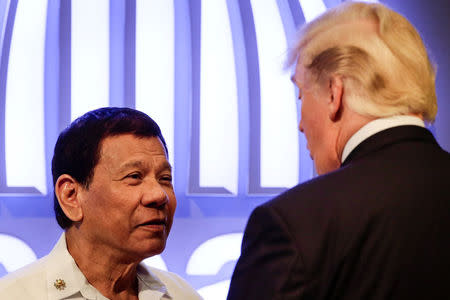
x=166 y=166
x=139 y=164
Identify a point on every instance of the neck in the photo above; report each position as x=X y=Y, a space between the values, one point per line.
x=351 y=122
x=112 y=276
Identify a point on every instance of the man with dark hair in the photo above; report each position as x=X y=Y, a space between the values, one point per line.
x=376 y=223
x=114 y=198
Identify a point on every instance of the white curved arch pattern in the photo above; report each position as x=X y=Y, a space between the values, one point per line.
x=14 y=253
x=216 y=291
x=89 y=56
x=279 y=134
x=155 y=64
x=218 y=100
x=210 y=256
x=156 y=261
x=312 y=9
x=4 y=9
x=24 y=112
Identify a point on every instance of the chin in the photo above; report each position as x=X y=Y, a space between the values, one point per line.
x=157 y=248
x=154 y=248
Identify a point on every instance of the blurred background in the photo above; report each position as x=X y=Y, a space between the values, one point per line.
x=210 y=72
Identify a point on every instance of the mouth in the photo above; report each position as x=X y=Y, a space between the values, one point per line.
x=154 y=225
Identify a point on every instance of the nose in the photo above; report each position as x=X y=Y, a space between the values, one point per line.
x=154 y=195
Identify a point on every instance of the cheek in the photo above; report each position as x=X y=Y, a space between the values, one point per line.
x=111 y=204
x=308 y=125
x=307 y=113
x=172 y=205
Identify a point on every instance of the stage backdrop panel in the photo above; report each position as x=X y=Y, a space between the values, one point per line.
x=210 y=72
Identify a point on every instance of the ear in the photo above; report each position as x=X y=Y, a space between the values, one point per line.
x=336 y=92
x=67 y=192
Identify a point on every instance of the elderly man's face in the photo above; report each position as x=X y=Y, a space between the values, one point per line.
x=129 y=205
x=314 y=122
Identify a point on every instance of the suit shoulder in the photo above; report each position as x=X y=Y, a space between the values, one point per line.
x=314 y=191
x=16 y=284
x=314 y=205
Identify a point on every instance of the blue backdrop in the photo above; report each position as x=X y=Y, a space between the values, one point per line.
x=209 y=72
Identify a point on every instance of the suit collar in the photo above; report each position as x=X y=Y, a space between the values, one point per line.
x=388 y=137
x=378 y=125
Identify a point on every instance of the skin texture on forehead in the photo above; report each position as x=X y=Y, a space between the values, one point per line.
x=117 y=153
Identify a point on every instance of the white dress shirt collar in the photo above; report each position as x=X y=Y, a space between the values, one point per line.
x=76 y=285
x=376 y=126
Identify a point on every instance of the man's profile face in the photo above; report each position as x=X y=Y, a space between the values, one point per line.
x=129 y=206
x=314 y=121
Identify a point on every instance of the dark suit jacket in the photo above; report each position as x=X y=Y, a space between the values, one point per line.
x=377 y=228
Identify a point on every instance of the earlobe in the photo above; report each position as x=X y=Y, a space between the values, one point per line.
x=336 y=90
x=67 y=193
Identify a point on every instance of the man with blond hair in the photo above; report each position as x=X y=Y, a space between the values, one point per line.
x=376 y=223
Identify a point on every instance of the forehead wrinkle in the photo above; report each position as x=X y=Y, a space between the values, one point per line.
x=132 y=164
x=143 y=165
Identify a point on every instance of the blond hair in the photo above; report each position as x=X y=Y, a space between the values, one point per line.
x=380 y=56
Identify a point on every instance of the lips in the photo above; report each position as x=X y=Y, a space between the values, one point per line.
x=154 y=224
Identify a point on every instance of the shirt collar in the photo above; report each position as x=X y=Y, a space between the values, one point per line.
x=63 y=269
x=72 y=280
x=149 y=283
x=376 y=126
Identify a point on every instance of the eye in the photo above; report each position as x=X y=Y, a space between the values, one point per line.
x=167 y=179
x=133 y=178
